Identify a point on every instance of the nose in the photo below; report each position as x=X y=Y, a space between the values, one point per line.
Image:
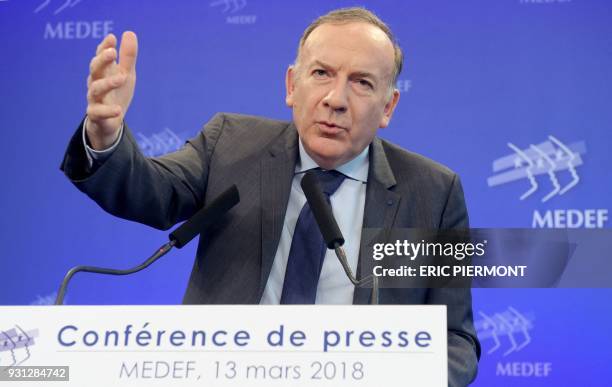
x=337 y=98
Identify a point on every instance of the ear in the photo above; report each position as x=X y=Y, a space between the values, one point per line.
x=389 y=109
x=290 y=85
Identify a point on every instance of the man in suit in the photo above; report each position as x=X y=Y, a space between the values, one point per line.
x=341 y=91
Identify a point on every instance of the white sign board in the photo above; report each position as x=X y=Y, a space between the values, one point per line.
x=229 y=345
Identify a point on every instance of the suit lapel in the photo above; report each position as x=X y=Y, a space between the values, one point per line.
x=381 y=206
x=277 y=170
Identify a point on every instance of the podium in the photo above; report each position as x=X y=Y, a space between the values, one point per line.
x=226 y=345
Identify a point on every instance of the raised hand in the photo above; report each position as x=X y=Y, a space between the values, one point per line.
x=110 y=88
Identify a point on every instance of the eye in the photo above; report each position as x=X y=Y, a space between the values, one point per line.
x=319 y=73
x=365 y=83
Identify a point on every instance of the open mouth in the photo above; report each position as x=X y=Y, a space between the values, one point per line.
x=329 y=128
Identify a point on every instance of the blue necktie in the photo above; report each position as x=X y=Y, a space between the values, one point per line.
x=308 y=248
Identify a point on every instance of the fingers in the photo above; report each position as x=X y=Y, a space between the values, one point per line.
x=109 y=41
x=105 y=75
x=101 y=63
x=106 y=55
x=99 y=88
x=128 y=51
x=98 y=111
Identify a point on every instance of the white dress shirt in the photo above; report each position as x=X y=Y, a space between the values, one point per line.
x=347 y=205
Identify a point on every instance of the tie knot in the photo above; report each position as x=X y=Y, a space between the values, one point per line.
x=329 y=180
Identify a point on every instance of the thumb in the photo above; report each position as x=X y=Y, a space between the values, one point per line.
x=128 y=51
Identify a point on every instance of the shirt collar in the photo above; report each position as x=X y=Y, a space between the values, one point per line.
x=356 y=169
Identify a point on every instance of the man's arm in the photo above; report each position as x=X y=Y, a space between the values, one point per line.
x=99 y=156
x=155 y=191
x=159 y=192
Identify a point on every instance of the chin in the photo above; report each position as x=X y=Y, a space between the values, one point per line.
x=327 y=153
x=329 y=160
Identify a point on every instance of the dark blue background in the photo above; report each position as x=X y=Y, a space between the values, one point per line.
x=482 y=73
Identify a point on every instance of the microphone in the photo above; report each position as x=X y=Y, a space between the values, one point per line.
x=205 y=217
x=321 y=209
x=178 y=238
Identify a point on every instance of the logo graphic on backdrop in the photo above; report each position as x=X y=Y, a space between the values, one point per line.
x=549 y=158
x=505 y=335
x=230 y=7
x=70 y=29
x=160 y=143
x=58 y=5
x=543 y=1
x=48 y=299
x=508 y=331
x=404 y=85
x=15 y=345
x=548 y=170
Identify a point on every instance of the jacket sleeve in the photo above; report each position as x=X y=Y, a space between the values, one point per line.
x=158 y=192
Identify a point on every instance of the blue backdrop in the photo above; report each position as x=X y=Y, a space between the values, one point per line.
x=514 y=95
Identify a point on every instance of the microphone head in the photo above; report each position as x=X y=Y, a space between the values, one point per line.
x=321 y=210
x=205 y=217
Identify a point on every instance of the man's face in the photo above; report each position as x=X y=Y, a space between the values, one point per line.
x=339 y=90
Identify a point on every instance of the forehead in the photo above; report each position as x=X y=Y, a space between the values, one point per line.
x=356 y=46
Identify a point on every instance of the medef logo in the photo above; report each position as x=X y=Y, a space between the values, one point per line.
x=160 y=143
x=404 y=85
x=544 y=1
x=15 y=346
x=547 y=158
x=508 y=334
x=548 y=170
x=230 y=8
x=58 y=7
x=70 y=29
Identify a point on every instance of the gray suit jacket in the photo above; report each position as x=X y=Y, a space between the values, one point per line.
x=259 y=155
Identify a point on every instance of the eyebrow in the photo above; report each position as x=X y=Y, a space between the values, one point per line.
x=360 y=74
